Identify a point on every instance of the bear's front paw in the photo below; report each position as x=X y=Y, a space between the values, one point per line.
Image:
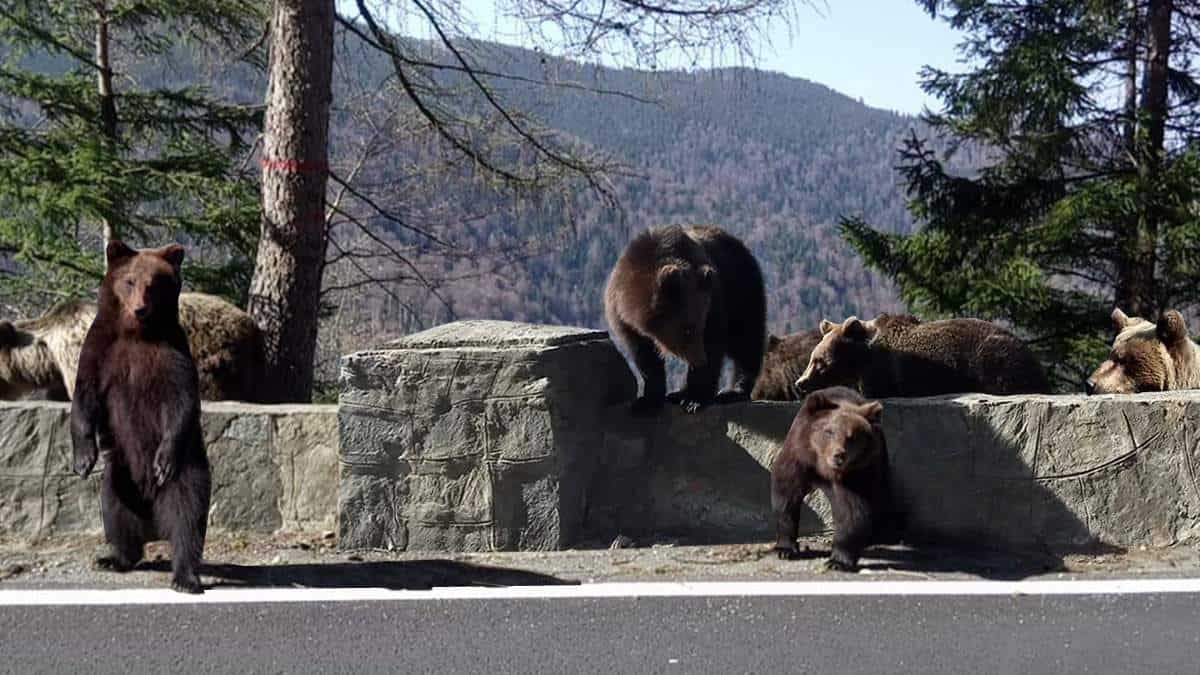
x=787 y=552
x=164 y=468
x=189 y=583
x=836 y=564
x=681 y=398
x=85 y=460
x=732 y=396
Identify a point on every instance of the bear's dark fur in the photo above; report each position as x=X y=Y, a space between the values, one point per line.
x=137 y=396
x=695 y=293
x=784 y=362
x=836 y=444
x=897 y=356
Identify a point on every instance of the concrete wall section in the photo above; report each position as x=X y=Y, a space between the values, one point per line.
x=274 y=468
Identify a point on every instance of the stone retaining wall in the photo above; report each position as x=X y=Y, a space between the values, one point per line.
x=274 y=468
x=492 y=435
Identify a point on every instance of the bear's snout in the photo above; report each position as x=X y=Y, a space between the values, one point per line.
x=1089 y=387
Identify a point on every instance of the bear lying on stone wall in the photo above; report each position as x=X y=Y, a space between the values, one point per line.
x=1148 y=357
x=42 y=354
x=898 y=356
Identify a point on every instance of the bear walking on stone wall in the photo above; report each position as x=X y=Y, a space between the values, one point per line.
x=137 y=396
x=1148 y=357
x=695 y=293
x=897 y=356
x=783 y=363
x=42 y=354
x=836 y=444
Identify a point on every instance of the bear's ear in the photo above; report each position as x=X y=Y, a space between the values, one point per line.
x=772 y=341
x=1171 y=329
x=117 y=251
x=855 y=329
x=819 y=400
x=871 y=411
x=826 y=326
x=173 y=254
x=707 y=277
x=1120 y=319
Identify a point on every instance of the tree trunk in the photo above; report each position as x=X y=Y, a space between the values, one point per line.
x=108 y=102
x=1137 y=288
x=285 y=291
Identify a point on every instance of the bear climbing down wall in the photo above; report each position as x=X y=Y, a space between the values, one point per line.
x=1148 y=357
x=892 y=356
x=695 y=293
x=836 y=444
x=42 y=354
x=137 y=395
x=784 y=361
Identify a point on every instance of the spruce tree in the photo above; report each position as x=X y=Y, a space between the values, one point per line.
x=99 y=136
x=1087 y=111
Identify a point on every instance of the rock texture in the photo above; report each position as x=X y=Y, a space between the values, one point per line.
x=474 y=436
x=274 y=468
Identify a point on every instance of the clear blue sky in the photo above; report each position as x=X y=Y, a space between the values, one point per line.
x=868 y=49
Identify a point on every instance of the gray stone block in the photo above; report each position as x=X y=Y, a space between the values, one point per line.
x=274 y=468
x=475 y=435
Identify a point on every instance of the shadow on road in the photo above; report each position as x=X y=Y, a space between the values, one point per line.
x=982 y=563
x=395 y=575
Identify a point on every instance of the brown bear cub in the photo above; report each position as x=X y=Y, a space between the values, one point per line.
x=898 y=356
x=836 y=444
x=695 y=293
x=1148 y=357
x=137 y=395
x=785 y=359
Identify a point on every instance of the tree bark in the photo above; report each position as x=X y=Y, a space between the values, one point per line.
x=108 y=102
x=1137 y=284
x=285 y=290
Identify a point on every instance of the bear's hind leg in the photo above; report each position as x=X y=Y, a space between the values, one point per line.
x=852 y=527
x=181 y=512
x=124 y=528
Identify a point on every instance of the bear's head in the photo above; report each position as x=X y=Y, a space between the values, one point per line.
x=679 y=310
x=24 y=362
x=841 y=355
x=1144 y=356
x=843 y=429
x=142 y=287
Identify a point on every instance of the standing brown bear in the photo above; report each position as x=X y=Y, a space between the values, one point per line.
x=835 y=443
x=695 y=293
x=898 y=356
x=137 y=394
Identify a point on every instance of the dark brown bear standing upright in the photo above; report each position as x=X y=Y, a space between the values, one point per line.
x=137 y=394
x=695 y=293
x=835 y=443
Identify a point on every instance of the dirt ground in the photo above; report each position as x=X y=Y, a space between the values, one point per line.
x=312 y=560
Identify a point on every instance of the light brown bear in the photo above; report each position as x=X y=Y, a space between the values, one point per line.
x=42 y=354
x=785 y=359
x=695 y=293
x=897 y=356
x=1148 y=357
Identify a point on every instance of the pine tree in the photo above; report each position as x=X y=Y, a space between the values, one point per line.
x=1087 y=111
x=86 y=149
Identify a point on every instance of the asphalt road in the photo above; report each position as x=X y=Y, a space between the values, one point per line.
x=1136 y=633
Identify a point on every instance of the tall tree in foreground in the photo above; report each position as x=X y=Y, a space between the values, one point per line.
x=453 y=94
x=286 y=289
x=1091 y=111
x=90 y=143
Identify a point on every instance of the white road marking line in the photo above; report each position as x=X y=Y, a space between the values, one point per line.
x=164 y=596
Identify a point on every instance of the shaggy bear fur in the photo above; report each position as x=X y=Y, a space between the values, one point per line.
x=137 y=396
x=835 y=443
x=785 y=359
x=1148 y=357
x=900 y=357
x=695 y=293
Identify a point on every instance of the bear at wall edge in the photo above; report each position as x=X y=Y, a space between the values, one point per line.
x=42 y=354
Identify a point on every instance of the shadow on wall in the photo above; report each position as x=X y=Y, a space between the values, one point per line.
x=1041 y=475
